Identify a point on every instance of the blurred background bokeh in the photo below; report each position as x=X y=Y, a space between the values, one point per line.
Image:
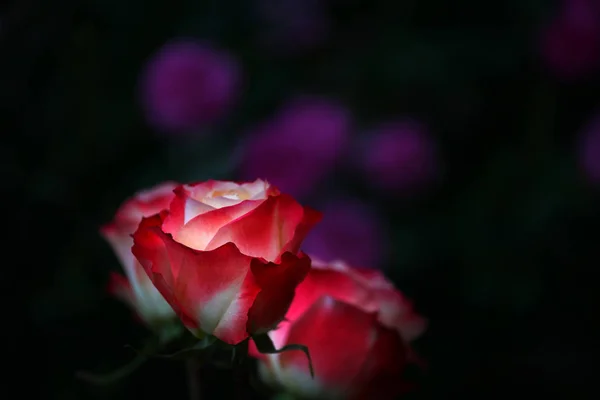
x=454 y=145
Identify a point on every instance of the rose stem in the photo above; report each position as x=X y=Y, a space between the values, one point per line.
x=193 y=377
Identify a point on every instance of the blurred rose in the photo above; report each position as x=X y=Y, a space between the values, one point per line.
x=299 y=146
x=571 y=42
x=350 y=230
x=188 y=84
x=357 y=327
x=589 y=150
x=226 y=256
x=399 y=157
x=292 y=25
x=136 y=289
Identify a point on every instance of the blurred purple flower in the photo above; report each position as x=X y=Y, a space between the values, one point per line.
x=291 y=25
x=299 y=146
x=188 y=84
x=571 y=42
x=351 y=231
x=399 y=157
x=589 y=150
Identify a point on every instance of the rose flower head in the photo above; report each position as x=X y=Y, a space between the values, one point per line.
x=358 y=328
x=226 y=256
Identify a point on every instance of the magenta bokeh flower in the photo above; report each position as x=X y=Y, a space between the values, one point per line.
x=399 y=157
x=350 y=230
x=299 y=146
x=570 y=43
x=187 y=84
x=293 y=25
x=589 y=150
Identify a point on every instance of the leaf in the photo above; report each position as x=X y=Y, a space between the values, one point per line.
x=265 y=345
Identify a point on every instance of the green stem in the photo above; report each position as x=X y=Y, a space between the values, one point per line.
x=193 y=377
x=240 y=369
x=122 y=372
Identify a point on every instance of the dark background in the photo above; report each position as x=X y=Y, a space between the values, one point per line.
x=499 y=256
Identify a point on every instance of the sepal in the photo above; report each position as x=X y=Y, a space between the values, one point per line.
x=199 y=348
x=265 y=345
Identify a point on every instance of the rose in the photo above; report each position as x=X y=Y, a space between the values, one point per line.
x=136 y=289
x=226 y=256
x=356 y=326
x=354 y=356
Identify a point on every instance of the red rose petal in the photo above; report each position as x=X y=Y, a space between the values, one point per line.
x=267 y=230
x=119 y=286
x=278 y=283
x=338 y=338
x=200 y=230
x=381 y=374
x=210 y=290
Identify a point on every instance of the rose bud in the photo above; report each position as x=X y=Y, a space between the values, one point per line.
x=136 y=289
x=357 y=327
x=226 y=256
